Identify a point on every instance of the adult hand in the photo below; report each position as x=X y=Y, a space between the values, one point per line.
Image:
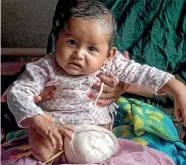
x=47 y=94
x=112 y=89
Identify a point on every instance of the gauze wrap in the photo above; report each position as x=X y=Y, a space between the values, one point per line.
x=90 y=144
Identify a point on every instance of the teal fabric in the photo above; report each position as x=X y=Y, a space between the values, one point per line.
x=149 y=126
x=153 y=31
x=15 y=134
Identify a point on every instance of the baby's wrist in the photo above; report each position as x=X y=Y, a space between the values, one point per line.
x=172 y=87
x=126 y=87
x=32 y=121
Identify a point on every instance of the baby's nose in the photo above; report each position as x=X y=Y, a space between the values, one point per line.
x=81 y=53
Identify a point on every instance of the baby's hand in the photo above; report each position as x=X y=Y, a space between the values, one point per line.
x=178 y=90
x=46 y=128
x=66 y=130
x=180 y=105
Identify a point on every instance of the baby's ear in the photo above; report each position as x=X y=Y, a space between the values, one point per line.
x=111 y=54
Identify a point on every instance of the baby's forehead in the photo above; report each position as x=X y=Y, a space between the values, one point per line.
x=91 y=26
x=77 y=26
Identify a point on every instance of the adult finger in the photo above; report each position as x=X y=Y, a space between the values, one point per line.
x=126 y=54
x=106 y=102
x=112 y=82
x=47 y=90
x=107 y=89
x=47 y=97
x=114 y=94
x=37 y=99
x=3 y=99
x=118 y=88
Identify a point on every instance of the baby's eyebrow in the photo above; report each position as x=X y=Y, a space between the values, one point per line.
x=94 y=44
x=68 y=34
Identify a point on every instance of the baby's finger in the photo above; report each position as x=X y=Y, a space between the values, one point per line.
x=66 y=132
x=126 y=54
x=52 y=140
x=177 y=111
x=184 y=116
x=178 y=114
x=69 y=127
x=59 y=139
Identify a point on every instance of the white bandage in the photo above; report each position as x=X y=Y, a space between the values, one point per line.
x=90 y=144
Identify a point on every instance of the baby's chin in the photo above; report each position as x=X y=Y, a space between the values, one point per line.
x=74 y=72
x=78 y=71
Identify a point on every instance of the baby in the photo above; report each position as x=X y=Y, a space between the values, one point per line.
x=84 y=49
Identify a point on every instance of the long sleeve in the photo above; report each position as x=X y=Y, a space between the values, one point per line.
x=20 y=97
x=131 y=72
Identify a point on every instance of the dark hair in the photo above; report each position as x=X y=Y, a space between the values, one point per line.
x=89 y=9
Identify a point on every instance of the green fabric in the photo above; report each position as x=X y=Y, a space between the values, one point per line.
x=153 y=31
x=149 y=126
x=15 y=134
x=146 y=118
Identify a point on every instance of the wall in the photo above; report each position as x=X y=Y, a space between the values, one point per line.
x=26 y=23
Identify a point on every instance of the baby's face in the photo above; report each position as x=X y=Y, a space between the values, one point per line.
x=82 y=46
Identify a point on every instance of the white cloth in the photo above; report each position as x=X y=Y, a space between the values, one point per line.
x=70 y=103
x=90 y=144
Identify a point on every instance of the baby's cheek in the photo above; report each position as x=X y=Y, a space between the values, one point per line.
x=59 y=61
x=92 y=68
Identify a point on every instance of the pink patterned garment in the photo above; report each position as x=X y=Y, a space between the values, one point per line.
x=70 y=103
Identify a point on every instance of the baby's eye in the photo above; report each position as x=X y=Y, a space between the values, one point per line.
x=92 y=49
x=72 y=42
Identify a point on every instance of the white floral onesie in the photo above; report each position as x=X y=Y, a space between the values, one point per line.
x=70 y=103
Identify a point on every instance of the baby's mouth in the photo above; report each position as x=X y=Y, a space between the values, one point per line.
x=75 y=64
